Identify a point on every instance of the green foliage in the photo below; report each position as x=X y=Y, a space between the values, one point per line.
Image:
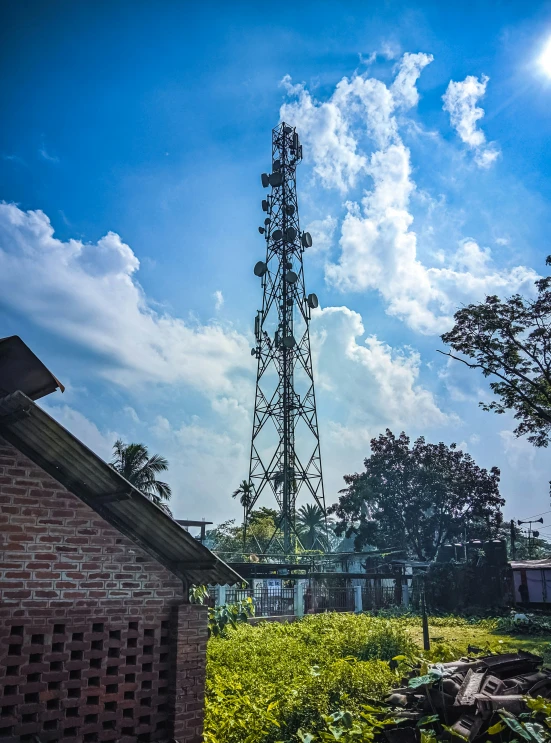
x=417 y=497
x=141 y=470
x=525 y=624
x=509 y=341
x=229 y=615
x=198 y=594
x=313 y=527
x=322 y=678
x=229 y=538
x=266 y=682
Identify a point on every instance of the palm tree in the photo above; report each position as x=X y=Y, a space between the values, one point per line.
x=311 y=526
x=245 y=491
x=133 y=462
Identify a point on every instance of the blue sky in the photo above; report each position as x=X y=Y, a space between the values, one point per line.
x=131 y=143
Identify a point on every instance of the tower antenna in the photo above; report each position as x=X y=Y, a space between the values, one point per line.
x=285 y=446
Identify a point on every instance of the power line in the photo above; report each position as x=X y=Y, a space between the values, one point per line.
x=537 y=514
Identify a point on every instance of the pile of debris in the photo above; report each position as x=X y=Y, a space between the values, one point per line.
x=467 y=696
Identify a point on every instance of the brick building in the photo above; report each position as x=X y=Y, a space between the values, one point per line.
x=98 y=641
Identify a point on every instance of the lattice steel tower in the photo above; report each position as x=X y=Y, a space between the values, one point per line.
x=285 y=446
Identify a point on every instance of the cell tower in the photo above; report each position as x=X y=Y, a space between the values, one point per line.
x=285 y=446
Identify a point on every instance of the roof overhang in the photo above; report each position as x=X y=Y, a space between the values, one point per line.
x=47 y=443
x=21 y=370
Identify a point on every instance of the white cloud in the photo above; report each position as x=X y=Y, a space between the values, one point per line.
x=131 y=413
x=379 y=252
x=45 y=155
x=322 y=231
x=360 y=106
x=333 y=148
x=87 y=292
x=364 y=386
x=403 y=88
x=460 y=102
x=206 y=464
x=379 y=249
x=218 y=300
x=370 y=381
x=81 y=427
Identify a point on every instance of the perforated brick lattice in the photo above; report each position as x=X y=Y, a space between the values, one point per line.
x=94 y=682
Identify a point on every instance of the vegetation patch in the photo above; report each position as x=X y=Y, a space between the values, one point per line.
x=294 y=682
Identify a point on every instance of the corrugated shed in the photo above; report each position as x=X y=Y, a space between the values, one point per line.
x=47 y=443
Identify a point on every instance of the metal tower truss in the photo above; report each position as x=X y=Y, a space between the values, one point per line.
x=285 y=447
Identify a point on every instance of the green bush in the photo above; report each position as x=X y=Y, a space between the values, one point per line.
x=267 y=681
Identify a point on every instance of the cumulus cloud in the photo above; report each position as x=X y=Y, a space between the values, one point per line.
x=359 y=106
x=322 y=231
x=403 y=88
x=460 y=102
x=88 y=293
x=379 y=248
x=336 y=160
x=374 y=383
x=362 y=387
x=218 y=300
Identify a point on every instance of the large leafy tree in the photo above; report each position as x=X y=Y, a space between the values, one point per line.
x=134 y=462
x=510 y=341
x=418 y=497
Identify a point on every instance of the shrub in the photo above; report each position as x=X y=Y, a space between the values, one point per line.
x=267 y=681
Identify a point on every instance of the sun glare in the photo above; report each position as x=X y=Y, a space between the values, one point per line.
x=545 y=59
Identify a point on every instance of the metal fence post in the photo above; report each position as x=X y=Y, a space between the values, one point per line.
x=221 y=595
x=405 y=594
x=358 y=607
x=299 y=599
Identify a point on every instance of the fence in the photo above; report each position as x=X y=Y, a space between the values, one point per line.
x=311 y=597
x=380 y=597
x=319 y=598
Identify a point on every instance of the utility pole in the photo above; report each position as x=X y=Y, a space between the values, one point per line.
x=530 y=533
x=513 y=540
x=285 y=447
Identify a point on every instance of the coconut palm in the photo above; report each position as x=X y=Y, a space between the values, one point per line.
x=133 y=462
x=311 y=526
x=245 y=492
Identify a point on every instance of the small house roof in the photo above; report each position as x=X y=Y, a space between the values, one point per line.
x=21 y=370
x=47 y=443
x=542 y=564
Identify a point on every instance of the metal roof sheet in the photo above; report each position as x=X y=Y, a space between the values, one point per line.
x=21 y=370
x=544 y=563
x=47 y=443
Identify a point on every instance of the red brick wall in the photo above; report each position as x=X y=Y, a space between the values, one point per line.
x=96 y=642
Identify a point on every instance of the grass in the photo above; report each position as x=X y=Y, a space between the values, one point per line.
x=482 y=634
x=266 y=683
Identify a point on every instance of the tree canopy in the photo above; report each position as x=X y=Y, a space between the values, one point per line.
x=313 y=528
x=230 y=539
x=418 y=497
x=510 y=341
x=134 y=463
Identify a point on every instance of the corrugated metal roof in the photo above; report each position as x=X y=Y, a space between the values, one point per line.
x=544 y=563
x=47 y=443
x=21 y=370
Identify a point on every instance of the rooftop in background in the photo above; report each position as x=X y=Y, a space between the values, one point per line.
x=21 y=370
x=543 y=564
